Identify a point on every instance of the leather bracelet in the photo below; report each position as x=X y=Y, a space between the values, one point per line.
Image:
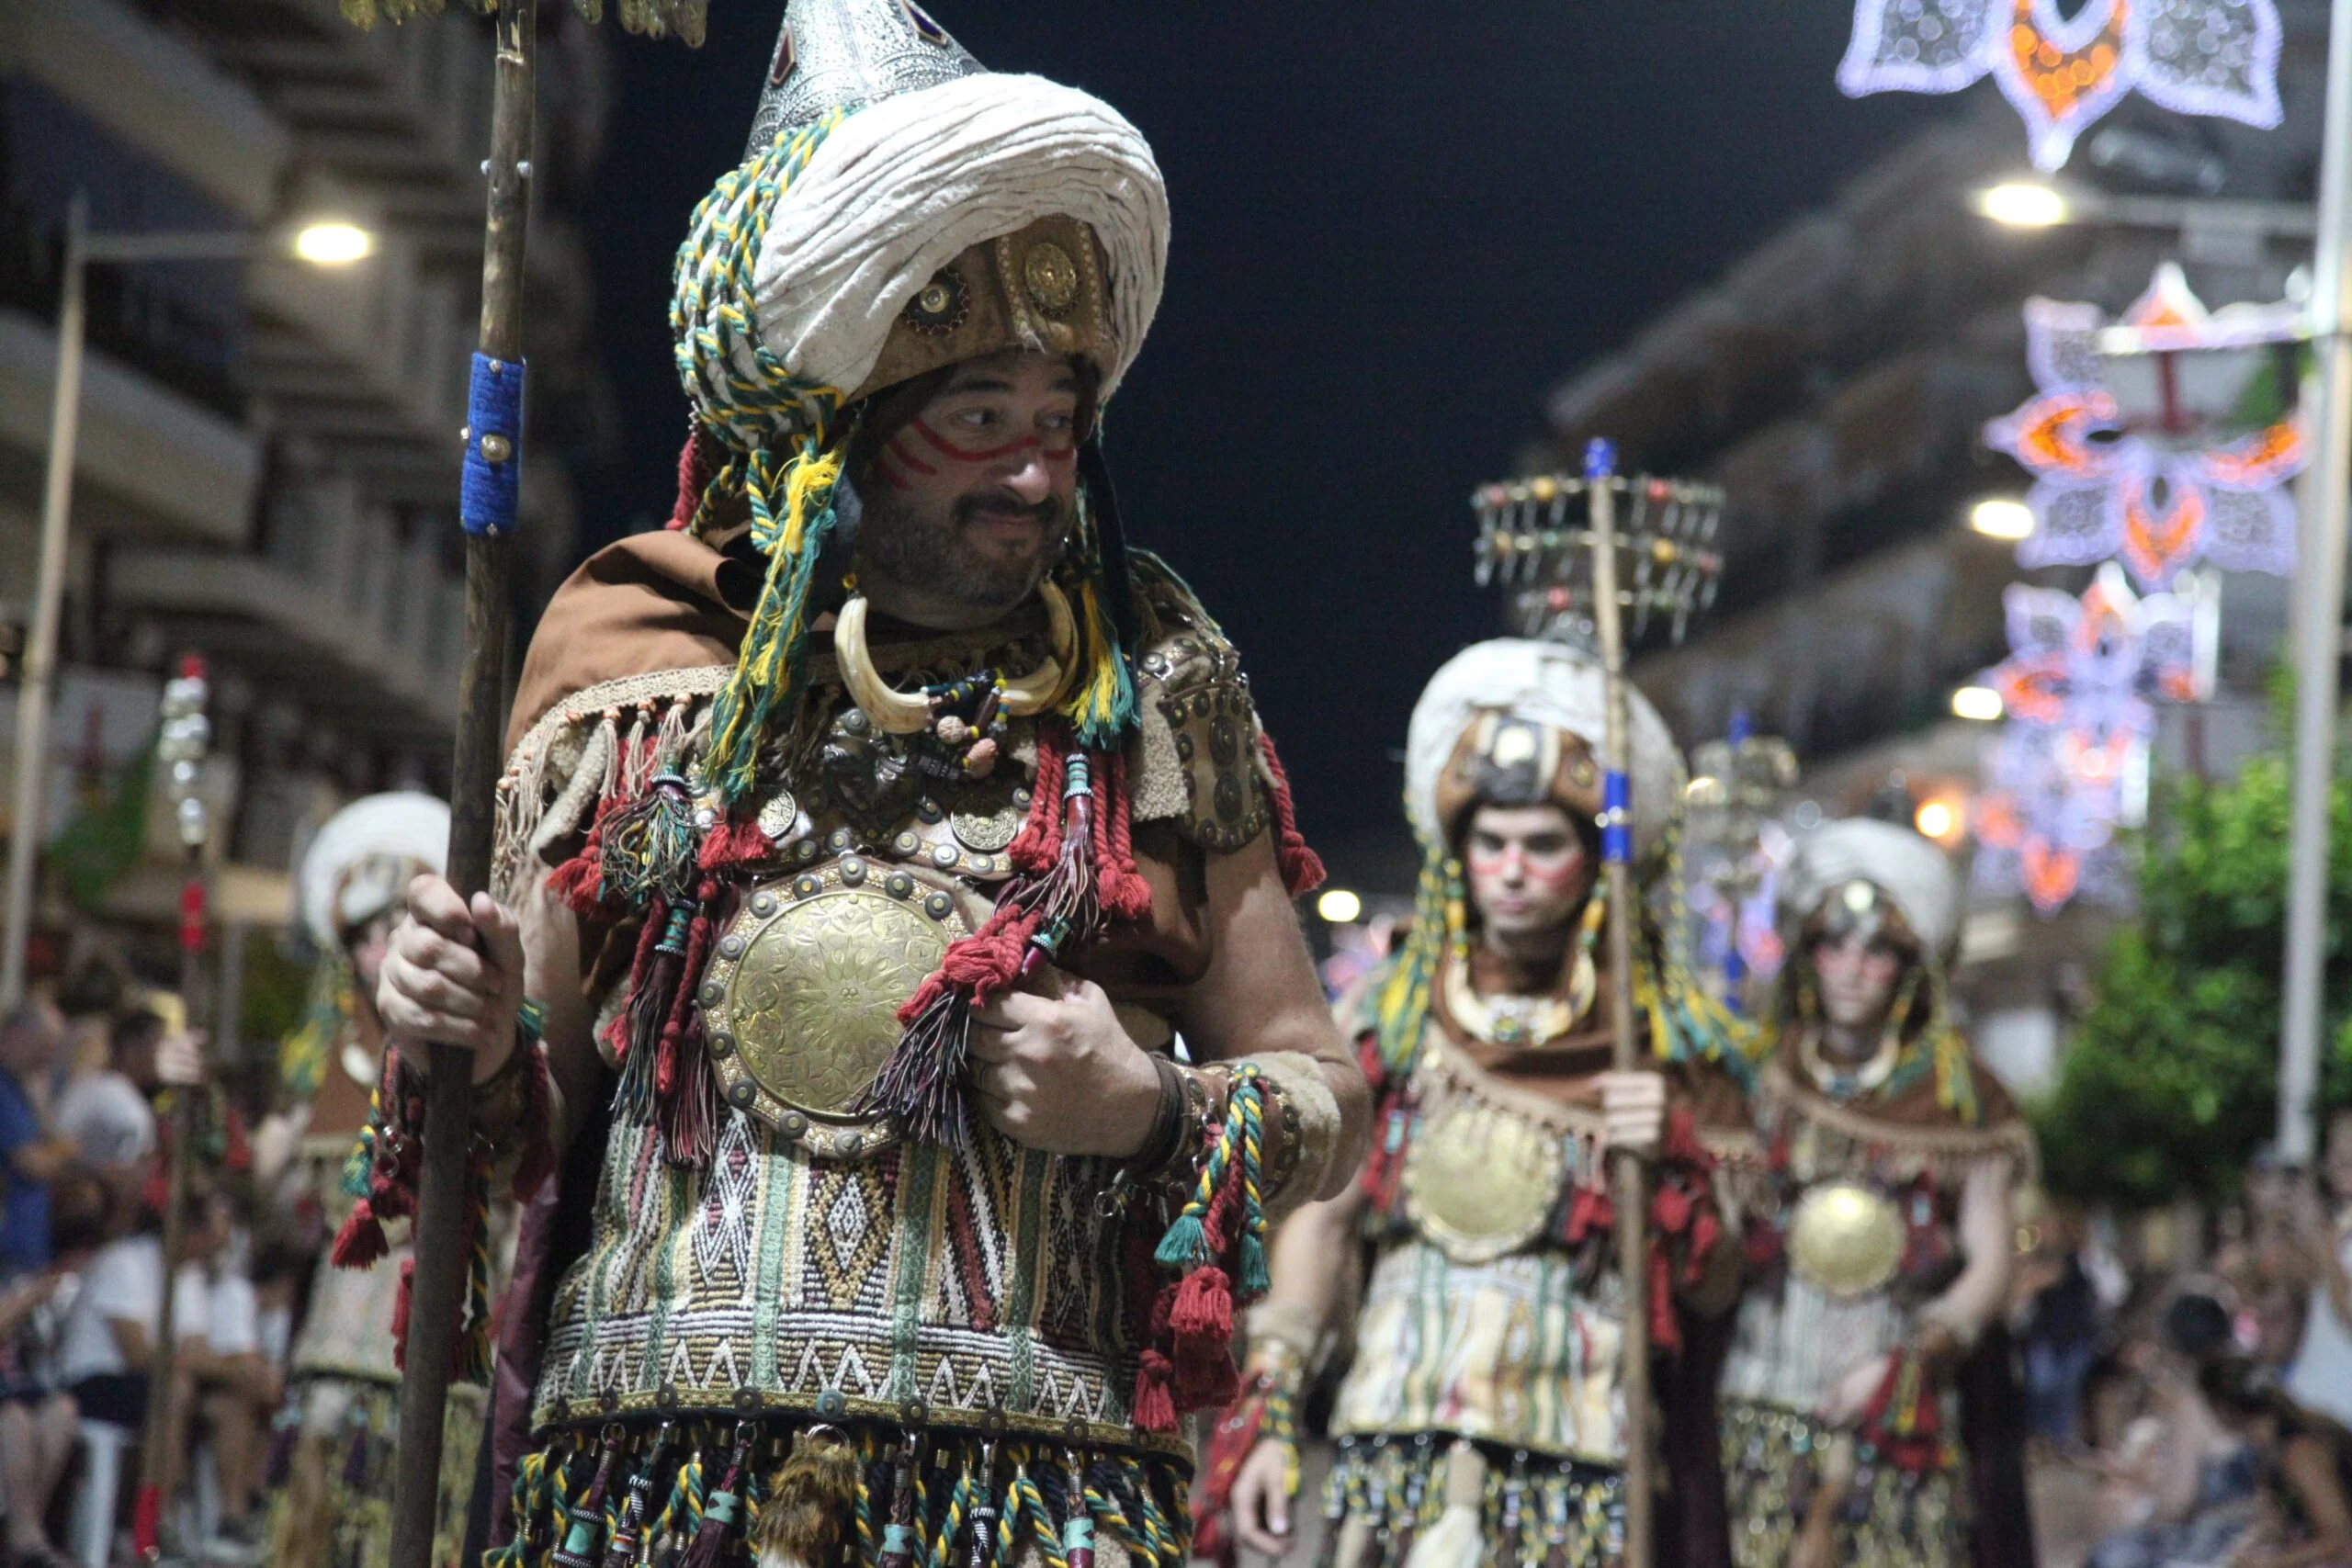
x=498 y=1100
x=1167 y=1132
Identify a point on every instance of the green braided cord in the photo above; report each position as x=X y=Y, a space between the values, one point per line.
x=1163 y=1542
x=362 y=1157
x=1403 y=1006
x=1109 y=1516
x=865 y=1515
x=1101 y=706
x=528 y=1497
x=1250 y=1090
x=922 y=1503
x=942 y=1546
x=1029 y=1504
x=1186 y=1243
x=711 y=319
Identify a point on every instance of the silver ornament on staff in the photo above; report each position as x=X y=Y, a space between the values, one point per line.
x=1573 y=573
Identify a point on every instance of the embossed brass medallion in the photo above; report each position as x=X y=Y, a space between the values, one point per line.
x=1846 y=1239
x=779 y=815
x=1481 y=1182
x=809 y=980
x=987 y=822
x=1050 y=276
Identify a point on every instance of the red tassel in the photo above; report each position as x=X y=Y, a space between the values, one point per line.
x=1203 y=1308
x=1155 y=1404
x=1666 y=1326
x=1671 y=1209
x=1230 y=1445
x=694 y=478
x=147 y=1523
x=399 y=1312
x=1706 y=1230
x=734 y=842
x=360 y=1243
x=1302 y=869
x=1125 y=894
x=1591 y=1213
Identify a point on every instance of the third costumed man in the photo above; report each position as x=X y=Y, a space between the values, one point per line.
x=1868 y=1410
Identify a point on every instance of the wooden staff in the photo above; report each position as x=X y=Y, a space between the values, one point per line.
x=493 y=460
x=185 y=737
x=1632 y=1180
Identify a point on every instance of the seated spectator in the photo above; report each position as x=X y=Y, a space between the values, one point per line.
x=38 y=1420
x=106 y=1113
x=108 y=1340
x=236 y=1384
x=2183 y=1489
x=2306 y=1467
x=31 y=1040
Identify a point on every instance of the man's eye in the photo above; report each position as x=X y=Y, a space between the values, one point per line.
x=1060 y=420
x=976 y=419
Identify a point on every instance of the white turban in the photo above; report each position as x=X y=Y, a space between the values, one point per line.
x=903 y=186
x=1543 y=682
x=1908 y=868
x=359 y=865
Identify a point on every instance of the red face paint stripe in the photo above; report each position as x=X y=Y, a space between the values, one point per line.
x=903 y=456
x=991 y=455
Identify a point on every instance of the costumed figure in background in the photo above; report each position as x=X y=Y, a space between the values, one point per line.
x=335 y=1506
x=1480 y=1418
x=866 y=841
x=1870 y=1413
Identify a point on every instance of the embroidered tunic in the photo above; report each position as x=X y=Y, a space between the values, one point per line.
x=1855 y=1233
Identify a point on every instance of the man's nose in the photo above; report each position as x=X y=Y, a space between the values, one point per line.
x=1028 y=477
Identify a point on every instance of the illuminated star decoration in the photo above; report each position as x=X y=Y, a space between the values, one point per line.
x=2147 y=493
x=2079 y=685
x=2201 y=56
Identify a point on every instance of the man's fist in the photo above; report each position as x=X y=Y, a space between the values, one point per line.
x=453 y=974
x=1633 y=1105
x=180 y=1058
x=1055 y=1070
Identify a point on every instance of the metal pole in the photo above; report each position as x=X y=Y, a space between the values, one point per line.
x=185 y=737
x=35 y=691
x=1632 y=1180
x=436 y=1294
x=2319 y=614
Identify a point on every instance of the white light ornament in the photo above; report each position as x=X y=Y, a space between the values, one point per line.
x=2139 y=438
x=2200 y=57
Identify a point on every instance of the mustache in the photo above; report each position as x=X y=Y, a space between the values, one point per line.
x=1004 y=503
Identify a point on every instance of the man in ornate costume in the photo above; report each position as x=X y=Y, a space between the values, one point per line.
x=1869 y=1412
x=866 y=840
x=1480 y=1419
x=352 y=886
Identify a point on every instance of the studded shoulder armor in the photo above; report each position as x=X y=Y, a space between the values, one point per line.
x=1195 y=760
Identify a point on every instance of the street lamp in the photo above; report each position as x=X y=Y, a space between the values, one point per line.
x=2022 y=204
x=321 y=243
x=1980 y=703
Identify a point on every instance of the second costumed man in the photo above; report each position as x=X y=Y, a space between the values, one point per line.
x=1481 y=1420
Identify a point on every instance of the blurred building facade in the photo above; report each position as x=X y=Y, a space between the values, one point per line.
x=1835 y=382
x=267 y=466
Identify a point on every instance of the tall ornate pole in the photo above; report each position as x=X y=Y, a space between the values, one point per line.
x=37 y=689
x=492 y=475
x=187 y=736
x=1632 y=1181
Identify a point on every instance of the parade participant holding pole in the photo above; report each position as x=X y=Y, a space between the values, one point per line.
x=1863 y=1422
x=351 y=890
x=1483 y=1417
x=866 y=841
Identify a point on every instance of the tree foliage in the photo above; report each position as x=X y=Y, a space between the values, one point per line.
x=2171 y=1082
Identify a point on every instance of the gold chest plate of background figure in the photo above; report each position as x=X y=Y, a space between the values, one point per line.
x=1480 y=1181
x=1846 y=1239
x=804 y=989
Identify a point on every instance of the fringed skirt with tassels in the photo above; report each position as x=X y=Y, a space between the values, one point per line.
x=1437 y=1502
x=1776 y=1462
x=333 y=1504
x=1135 y=1503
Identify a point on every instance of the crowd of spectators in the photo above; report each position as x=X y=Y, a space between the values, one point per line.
x=2214 y=1405
x=82 y=1194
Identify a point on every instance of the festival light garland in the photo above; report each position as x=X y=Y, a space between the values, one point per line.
x=2200 y=57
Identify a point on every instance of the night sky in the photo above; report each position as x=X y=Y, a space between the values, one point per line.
x=1396 y=228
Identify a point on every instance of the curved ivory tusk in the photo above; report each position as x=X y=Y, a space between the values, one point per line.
x=1042 y=687
x=892 y=711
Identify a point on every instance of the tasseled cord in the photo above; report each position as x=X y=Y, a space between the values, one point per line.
x=724 y=1509
x=1217 y=1247
x=384 y=1167
x=1076 y=872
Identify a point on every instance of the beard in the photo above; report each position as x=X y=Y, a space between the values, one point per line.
x=930 y=546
